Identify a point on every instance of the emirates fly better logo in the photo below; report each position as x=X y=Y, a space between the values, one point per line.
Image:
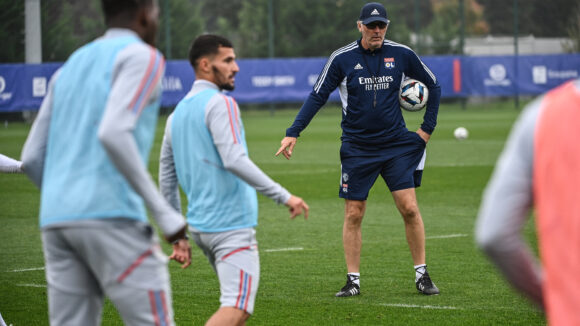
x=375 y=83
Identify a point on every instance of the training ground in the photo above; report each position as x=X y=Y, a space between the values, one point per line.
x=302 y=263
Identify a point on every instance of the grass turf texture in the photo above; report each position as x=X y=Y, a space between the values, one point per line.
x=297 y=287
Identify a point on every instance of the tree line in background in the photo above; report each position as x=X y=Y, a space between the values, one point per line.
x=301 y=28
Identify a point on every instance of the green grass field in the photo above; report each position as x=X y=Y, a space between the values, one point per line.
x=302 y=263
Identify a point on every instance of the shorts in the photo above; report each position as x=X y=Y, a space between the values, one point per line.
x=234 y=257
x=399 y=162
x=119 y=259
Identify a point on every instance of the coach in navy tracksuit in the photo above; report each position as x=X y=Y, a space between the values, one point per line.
x=375 y=139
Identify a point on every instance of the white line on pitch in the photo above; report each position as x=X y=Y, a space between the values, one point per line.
x=284 y=249
x=459 y=235
x=27 y=270
x=32 y=285
x=403 y=305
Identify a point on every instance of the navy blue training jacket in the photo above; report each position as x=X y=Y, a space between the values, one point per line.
x=368 y=83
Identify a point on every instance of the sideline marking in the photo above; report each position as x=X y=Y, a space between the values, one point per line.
x=27 y=270
x=403 y=305
x=459 y=235
x=284 y=249
x=32 y=285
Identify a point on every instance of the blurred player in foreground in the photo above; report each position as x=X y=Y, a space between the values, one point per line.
x=375 y=139
x=540 y=168
x=87 y=152
x=204 y=150
x=9 y=165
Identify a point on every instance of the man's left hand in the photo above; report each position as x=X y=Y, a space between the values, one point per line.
x=423 y=135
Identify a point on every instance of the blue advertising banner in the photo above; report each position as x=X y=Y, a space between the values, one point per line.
x=259 y=80
x=23 y=86
x=524 y=75
x=277 y=80
x=538 y=73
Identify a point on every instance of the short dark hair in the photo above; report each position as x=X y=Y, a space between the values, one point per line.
x=204 y=45
x=113 y=8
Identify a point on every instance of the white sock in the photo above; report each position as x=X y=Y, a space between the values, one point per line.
x=419 y=271
x=354 y=277
x=2 y=323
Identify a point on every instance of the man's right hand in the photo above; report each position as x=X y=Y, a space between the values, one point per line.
x=287 y=146
x=297 y=206
x=181 y=252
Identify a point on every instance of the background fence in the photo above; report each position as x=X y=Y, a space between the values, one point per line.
x=476 y=48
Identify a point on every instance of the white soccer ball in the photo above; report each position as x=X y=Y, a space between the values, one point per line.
x=460 y=133
x=413 y=95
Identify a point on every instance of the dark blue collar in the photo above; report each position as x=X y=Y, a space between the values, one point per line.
x=368 y=51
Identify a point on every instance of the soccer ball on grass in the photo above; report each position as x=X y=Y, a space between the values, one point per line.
x=460 y=133
x=413 y=95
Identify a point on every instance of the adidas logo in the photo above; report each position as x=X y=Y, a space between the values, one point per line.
x=358 y=67
x=375 y=12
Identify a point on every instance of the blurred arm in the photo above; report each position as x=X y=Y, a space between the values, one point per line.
x=168 y=183
x=34 y=150
x=505 y=207
x=119 y=120
x=10 y=165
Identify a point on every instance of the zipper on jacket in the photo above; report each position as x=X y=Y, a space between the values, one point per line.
x=373 y=77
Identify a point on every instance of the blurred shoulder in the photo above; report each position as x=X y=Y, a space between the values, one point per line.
x=142 y=52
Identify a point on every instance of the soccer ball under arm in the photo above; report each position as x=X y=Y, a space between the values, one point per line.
x=413 y=95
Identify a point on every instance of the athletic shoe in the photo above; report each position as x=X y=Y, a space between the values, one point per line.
x=425 y=285
x=349 y=290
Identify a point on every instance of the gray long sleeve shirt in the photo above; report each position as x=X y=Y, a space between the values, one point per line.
x=115 y=130
x=233 y=155
x=505 y=206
